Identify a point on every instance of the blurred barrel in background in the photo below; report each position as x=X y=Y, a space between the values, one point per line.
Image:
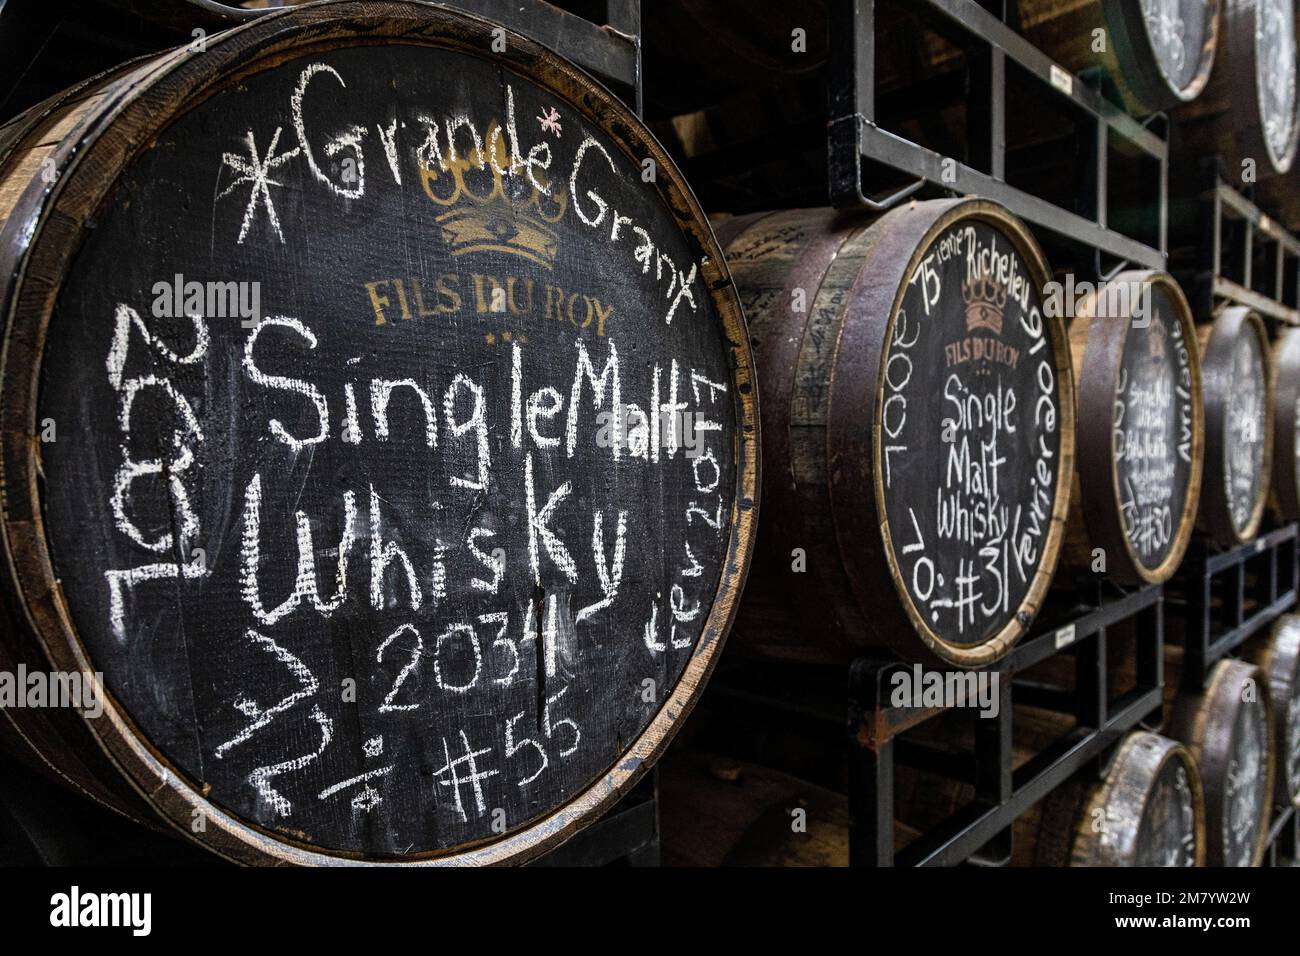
x=918 y=430
x=1229 y=730
x=1158 y=53
x=1238 y=425
x=1141 y=429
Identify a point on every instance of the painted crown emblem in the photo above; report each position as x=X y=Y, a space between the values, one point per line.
x=985 y=301
x=490 y=210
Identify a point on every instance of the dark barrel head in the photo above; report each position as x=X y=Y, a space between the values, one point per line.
x=1228 y=730
x=1262 y=48
x=405 y=467
x=1155 y=432
x=1238 y=423
x=1247 y=797
x=1285 y=370
x=1165 y=48
x=1280 y=660
x=973 y=426
x=1171 y=831
x=1149 y=810
x=1141 y=424
x=1246 y=443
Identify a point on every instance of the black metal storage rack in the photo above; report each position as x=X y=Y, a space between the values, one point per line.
x=1254 y=583
x=854 y=134
x=981 y=831
x=1245 y=257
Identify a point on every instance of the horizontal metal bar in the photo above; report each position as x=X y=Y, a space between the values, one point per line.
x=1263 y=304
x=609 y=54
x=974 y=18
x=1214 y=563
x=887 y=147
x=966 y=831
x=1227 y=643
x=1051 y=641
x=1245 y=209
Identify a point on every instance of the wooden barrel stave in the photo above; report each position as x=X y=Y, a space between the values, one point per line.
x=100 y=140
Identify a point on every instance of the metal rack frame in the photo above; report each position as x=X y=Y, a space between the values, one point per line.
x=1211 y=634
x=855 y=136
x=610 y=51
x=981 y=831
x=1222 y=204
x=628 y=835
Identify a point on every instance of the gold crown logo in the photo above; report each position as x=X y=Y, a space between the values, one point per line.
x=985 y=301
x=491 y=212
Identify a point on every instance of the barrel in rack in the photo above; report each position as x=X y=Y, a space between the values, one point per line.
x=1159 y=53
x=1148 y=811
x=1237 y=387
x=1279 y=659
x=1228 y=729
x=918 y=430
x=1250 y=113
x=1285 y=373
x=1141 y=428
x=400 y=482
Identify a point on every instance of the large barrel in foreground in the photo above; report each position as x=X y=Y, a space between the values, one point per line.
x=400 y=483
x=1238 y=425
x=1141 y=425
x=918 y=430
x=1228 y=729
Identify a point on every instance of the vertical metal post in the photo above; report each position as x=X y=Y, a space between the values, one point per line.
x=871 y=774
x=1090 y=681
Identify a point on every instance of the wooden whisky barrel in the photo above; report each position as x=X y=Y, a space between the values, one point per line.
x=1250 y=114
x=1229 y=730
x=1238 y=425
x=1147 y=811
x=331 y=362
x=1159 y=53
x=1140 y=428
x=918 y=430
x=1284 y=371
x=1279 y=659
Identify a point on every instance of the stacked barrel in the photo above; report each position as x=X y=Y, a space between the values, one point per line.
x=948 y=439
x=376 y=559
